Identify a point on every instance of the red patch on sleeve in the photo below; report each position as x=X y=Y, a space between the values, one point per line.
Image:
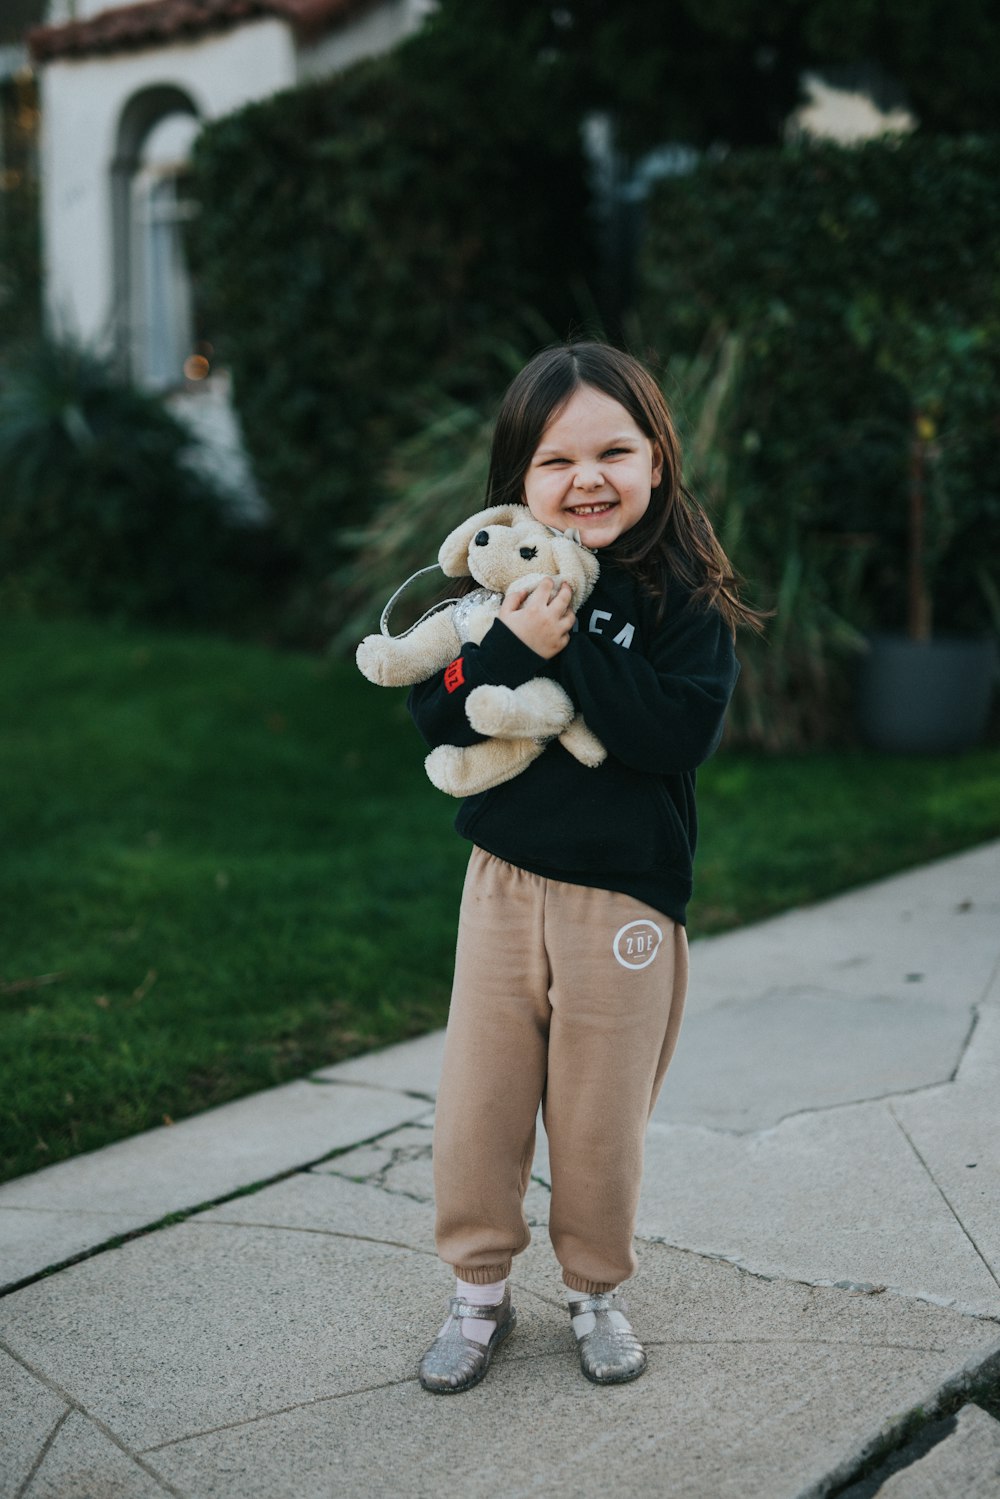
x=454 y=675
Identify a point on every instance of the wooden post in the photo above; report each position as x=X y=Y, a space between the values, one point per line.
x=919 y=611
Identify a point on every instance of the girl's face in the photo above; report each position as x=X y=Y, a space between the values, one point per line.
x=593 y=469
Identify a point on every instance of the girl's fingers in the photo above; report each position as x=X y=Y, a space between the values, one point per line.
x=513 y=600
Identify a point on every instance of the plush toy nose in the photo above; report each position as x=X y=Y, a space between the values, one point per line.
x=482 y=538
x=528 y=552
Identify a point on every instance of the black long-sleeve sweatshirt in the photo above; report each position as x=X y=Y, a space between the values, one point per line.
x=654 y=693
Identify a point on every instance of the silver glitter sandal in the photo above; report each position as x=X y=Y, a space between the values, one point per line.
x=454 y=1362
x=609 y=1353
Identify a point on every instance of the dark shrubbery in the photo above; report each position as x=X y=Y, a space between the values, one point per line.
x=99 y=508
x=862 y=289
x=366 y=239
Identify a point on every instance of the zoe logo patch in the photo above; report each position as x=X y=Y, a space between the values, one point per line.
x=454 y=675
x=637 y=943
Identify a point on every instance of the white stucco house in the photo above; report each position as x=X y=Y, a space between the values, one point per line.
x=124 y=90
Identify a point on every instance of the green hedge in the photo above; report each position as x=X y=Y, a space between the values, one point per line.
x=366 y=239
x=856 y=289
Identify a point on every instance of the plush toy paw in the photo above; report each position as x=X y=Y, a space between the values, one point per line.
x=476 y=767
x=538 y=709
x=583 y=744
x=375 y=662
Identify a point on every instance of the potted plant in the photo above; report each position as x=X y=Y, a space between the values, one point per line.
x=925 y=689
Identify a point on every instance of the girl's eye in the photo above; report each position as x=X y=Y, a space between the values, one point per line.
x=613 y=452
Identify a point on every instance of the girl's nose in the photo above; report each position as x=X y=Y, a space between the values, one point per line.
x=588 y=478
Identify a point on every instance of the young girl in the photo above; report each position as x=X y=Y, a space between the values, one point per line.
x=571 y=965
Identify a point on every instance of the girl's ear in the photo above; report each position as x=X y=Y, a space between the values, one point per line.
x=657 y=473
x=454 y=553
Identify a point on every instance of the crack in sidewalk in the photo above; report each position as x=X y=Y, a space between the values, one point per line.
x=758 y=1131
x=849 y=1287
x=181 y=1215
x=522 y=1357
x=974 y=1383
x=284 y=1410
x=358 y=1082
x=969 y=1035
x=399 y=1155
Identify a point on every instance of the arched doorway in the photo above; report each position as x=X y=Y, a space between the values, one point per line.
x=154 y=314
x=157 y=337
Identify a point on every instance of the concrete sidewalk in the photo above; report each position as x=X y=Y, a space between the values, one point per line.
x=819 y=1245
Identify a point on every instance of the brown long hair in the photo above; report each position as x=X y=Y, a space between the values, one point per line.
x=675 y=537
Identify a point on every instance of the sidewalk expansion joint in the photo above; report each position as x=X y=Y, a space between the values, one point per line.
x=304 y=1228
x=181 y=1215
x=75 y=1405
x=43 y=1452
x=18 y=1207
x=944 y=1196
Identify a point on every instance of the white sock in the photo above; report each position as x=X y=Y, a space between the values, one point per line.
x=479 y=1328
x=586 y=1321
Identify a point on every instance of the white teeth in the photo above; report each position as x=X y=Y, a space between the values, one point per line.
x=591 y=509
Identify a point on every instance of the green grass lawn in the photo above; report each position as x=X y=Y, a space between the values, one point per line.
x=224 y=866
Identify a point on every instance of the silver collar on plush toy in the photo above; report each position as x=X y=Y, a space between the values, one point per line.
x=469 y=603
x=434 y=609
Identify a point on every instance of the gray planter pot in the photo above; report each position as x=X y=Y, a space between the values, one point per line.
x=933 y=697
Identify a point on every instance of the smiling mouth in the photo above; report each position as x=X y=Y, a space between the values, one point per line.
x=600 y=509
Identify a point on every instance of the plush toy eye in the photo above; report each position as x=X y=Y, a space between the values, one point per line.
x=528 y=552
x=482 y=539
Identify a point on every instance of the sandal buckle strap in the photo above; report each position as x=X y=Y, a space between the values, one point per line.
x=459 y=1307
x=600 y=1301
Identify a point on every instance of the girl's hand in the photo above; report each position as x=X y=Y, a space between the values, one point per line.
x=541 y=617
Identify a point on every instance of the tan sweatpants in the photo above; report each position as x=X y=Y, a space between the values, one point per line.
x=571 y=997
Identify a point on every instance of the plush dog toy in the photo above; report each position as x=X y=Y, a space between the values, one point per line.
x=502 y=548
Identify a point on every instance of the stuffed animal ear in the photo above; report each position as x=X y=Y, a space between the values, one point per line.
x=454 y=553
x=577 y=564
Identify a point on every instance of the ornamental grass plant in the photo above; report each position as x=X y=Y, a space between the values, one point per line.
x=102 y=509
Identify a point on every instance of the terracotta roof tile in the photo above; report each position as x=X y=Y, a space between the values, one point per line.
x=154 y=22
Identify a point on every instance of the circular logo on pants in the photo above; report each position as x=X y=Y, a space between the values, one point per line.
x=637 y=943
